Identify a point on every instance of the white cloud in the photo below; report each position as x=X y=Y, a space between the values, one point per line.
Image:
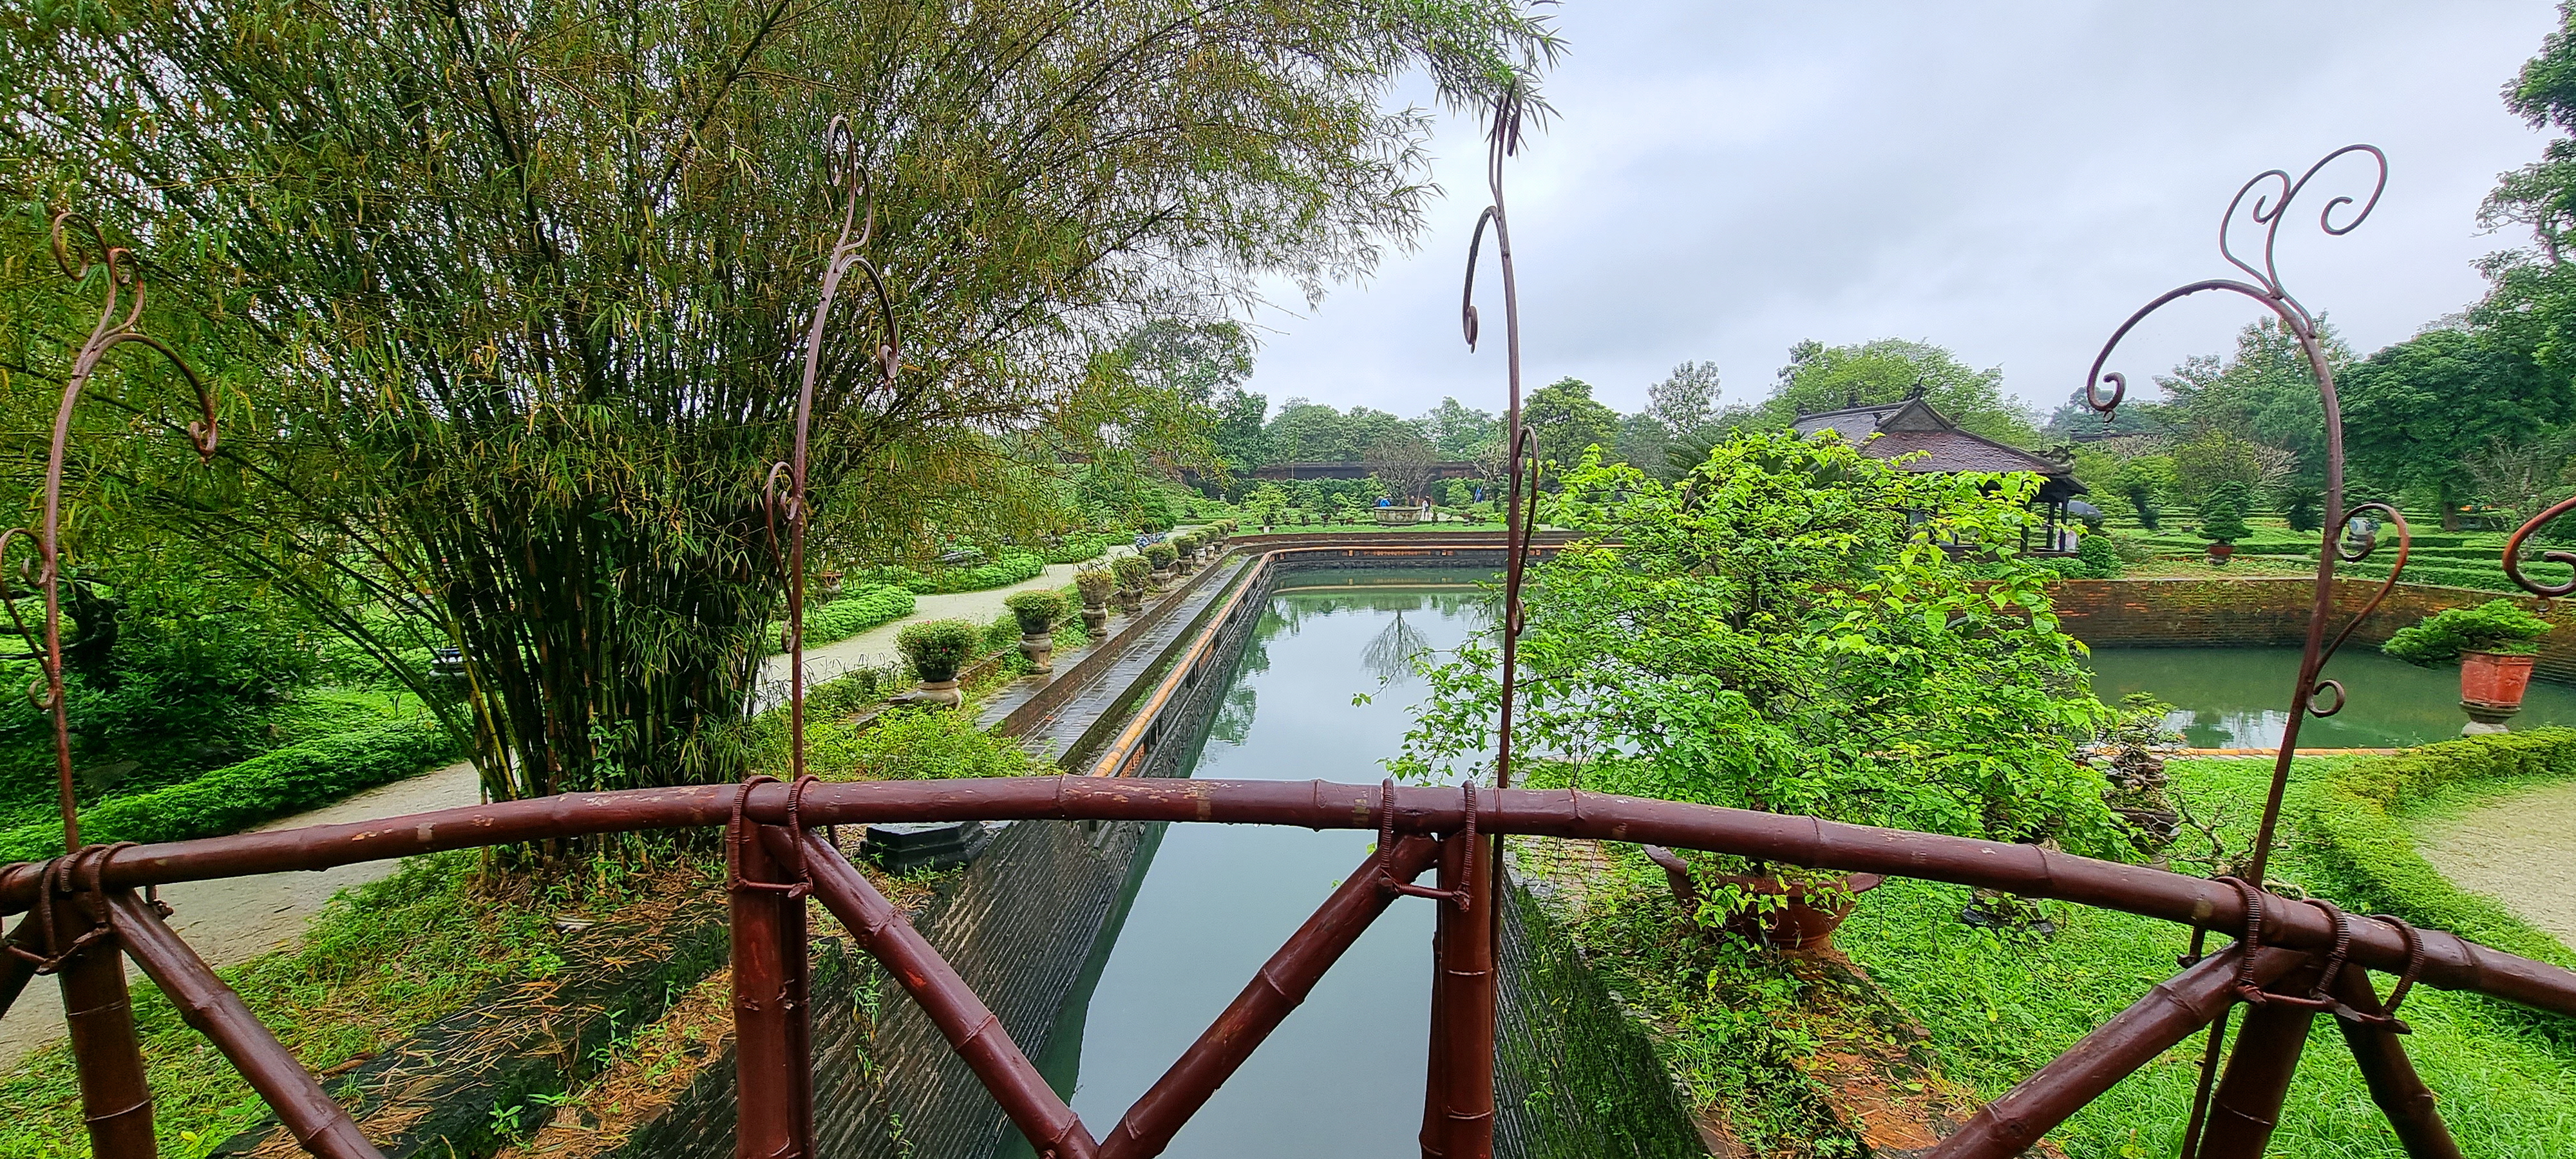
x=2008 y=180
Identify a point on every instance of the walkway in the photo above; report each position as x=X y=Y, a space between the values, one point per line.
x=237 y=919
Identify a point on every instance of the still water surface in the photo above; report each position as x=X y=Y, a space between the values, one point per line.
x=2239 y=697
x=1343 y=1076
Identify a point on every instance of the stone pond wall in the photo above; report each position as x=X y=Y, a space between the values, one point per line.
x=2269 y=611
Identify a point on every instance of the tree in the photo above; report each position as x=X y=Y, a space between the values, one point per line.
x=2075 y=418
x=2417 y=412
x=2222 y=512
x=1565 y=421
x=1461 y=433
x=2145 y=482
x=1783 y=630
x=2264 y=393
x=1240 y=441
x=1821 y=378
x=1401 y=460
x=515 y=297
x=1644 y=443
x=1686 y=400
x=2212 y=458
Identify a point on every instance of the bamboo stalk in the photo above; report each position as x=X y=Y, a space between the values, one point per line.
x=115 y=1100
x=2247 y=1105
x=2401 y=1094
x=2173 y=1011
x=1464 y=1077
x=318 y=1123
x=772 y=1077
x=1282 y=984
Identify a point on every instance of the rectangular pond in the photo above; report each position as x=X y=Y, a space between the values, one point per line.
x=2239 y=697
x=1209 y=904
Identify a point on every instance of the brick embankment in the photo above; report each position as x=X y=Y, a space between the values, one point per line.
x=2269 y=611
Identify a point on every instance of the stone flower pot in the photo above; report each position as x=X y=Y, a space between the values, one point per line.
x=2491 y=689
x=2219 y=552
x=1095 y=619
x=1040 y=651
x=942 y=692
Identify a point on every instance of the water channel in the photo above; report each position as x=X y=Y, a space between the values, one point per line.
x=1343 y=1076
x=2238 y=697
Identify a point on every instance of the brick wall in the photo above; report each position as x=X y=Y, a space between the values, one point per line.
x=2263 y=611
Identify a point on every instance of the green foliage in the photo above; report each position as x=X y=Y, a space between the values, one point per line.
x=1011 y=568
x=1036 y=612
x=1822 y=378
x=1779 y=632
x=505 y=293
x=1461 y=433
x=235 y=797
x=2416 y=413
x=1566 y=421
x=2096 y=557
x=855 y=613
x=1080 y=548
x=2350 y=823
x=2499 y=626
x=2145 y=482
x=1268 y=504
x=1185 y=543
x=1132 y=571
x=1310 y=432
x=2222 y=512
x=921 y=744
x=2213 y=459
x=938 y=648
x=1161 y=555
x=1095 y=583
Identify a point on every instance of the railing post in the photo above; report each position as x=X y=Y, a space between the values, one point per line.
x=2247 y=1105
x=1462 y=1075
x=773 y=1056
x=2390 y=1075
x=114 y=1098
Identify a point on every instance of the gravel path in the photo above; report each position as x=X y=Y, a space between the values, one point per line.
x=2520 y=850
x=236 y=919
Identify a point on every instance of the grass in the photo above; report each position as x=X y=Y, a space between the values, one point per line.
x=1999 y=1008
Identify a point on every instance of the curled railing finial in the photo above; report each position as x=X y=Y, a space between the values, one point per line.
x=783 y=491
x=120 y=319
x=2513 y=554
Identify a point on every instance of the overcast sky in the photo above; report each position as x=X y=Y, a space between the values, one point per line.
x=2009 y=180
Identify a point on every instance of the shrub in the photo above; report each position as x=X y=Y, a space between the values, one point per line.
x=2096 y=557
x=1077 y=549
x=1095 y=584
x=2349 y=822
x=1161 y=555
x=1037 y=612
x=938 y=648
x=2222 y=513
x=2500 y=626
x=1011 y=568
x=922 y=744
x=1131 y=571
x=856 y=613
x=1186 y=542
x=240 y=795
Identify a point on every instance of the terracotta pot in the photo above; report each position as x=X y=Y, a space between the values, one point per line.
x=2218 y=553
x=1798 y=925
x=2489 y=680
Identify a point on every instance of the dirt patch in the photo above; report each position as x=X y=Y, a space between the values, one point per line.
x=2519 y=850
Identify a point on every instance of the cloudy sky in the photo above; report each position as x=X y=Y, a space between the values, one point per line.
x=2006 y=179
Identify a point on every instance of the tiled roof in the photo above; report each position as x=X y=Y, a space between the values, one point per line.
x=1956 y=451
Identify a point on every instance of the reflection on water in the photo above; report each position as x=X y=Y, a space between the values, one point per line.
x=2239 y=697
x=1343 y=1076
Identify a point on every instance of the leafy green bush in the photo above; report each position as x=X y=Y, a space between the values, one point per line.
x=852 y=614
x=938 y=648
x=1186 y=542
x=2222 y=513
x=240 y=795
x=2500 y=626
x=1161 y=555
x=1036 y=612
x=2096 y=557
x=1012 y=567
x=2349 y=823
x=910 y=744
x=1077 y=549
x=1132 y=571
x=1095 y=583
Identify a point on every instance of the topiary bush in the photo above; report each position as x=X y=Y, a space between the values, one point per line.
x=2499 y=626
x=910 y=744
x=1078 y=548
x=1186 y=542
x=1095 y=584
x=1132 y=571
x=937 y=649
x=2222 y=513
x=1161 y=555
x=856 y=613
x=1037 y=612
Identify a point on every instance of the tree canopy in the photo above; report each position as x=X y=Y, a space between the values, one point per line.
x=1566 y=421
x=1823 y=378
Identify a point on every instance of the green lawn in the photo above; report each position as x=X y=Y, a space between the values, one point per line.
x=1999 y=1009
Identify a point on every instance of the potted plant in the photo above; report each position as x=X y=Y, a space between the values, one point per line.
x=2495 y=643
x=2222 y=520
x=1161 y=555
x=1095 y=583
x=1037 y=613
x=1133 y=572
x=1793 y=911
x=1186 y=545
x=938 y=649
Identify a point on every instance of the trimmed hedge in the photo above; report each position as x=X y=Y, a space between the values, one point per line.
x=2349 y=822
x=852 y=614
x=1078 y=549
x=241 y=795
x=1000 y=573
